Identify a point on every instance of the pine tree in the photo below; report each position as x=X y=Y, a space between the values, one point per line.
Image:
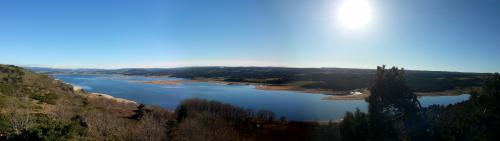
x=139 y=113
x=394 y=110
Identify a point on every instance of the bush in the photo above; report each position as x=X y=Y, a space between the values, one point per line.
x=139 y=113
x=49 y=98
x=47 y=129
x=354 y=127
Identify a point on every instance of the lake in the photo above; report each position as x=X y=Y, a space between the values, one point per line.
x=291 y=104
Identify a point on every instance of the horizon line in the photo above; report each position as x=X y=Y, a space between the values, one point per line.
x=243 y=66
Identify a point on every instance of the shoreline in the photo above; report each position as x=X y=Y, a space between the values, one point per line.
x=164 y=82
x=358 y=94
x=366 y=93
x=79 y=90
x=100 y=95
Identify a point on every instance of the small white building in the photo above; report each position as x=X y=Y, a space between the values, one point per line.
x=355 y=93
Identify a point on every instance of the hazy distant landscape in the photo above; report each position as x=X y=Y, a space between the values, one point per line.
x=330 y=79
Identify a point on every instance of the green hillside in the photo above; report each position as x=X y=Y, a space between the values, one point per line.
x=37 y=107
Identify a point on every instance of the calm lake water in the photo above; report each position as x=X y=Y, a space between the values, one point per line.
x=291 y=104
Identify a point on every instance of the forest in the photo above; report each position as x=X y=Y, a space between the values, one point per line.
x=37 y=107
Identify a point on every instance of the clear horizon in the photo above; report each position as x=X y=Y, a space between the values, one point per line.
x=445 y=35
x=117 y=68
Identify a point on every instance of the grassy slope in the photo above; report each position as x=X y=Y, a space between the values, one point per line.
x=35 y=106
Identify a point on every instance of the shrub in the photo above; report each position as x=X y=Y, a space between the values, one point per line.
x=49 y=98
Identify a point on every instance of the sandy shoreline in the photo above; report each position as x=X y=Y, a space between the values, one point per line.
x=329 y=94
x=165 y=82
x=99 y=95
x=80 y=90
x=290 y=88
x=442 y=93
x=178 y=82
x=365 y=95
x=360 y=94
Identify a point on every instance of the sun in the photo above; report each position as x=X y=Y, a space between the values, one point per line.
x=354 y=14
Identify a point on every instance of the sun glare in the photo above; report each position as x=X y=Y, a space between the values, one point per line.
x=354 y=14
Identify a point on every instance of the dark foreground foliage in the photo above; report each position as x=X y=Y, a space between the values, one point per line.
x=395 y=114
x=201 y=119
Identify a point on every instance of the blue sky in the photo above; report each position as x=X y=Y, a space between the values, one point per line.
x=452 y=35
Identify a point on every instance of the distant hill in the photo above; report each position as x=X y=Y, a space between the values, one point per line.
x=337 y=79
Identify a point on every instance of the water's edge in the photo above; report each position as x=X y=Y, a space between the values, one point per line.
x=291 y=104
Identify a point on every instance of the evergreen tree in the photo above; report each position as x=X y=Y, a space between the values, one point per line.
x=487 y=109
x=181 y=112
x=354 y=126
x=394 y=110
x=139 y=113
